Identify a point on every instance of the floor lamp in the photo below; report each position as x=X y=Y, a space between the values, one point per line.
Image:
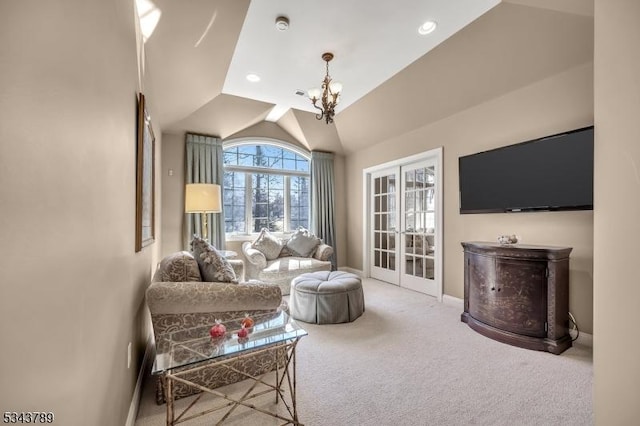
x=203 y=198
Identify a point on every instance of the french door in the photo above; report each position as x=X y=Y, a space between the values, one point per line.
x=385 y=220
x=418 y=223
x=405 y=225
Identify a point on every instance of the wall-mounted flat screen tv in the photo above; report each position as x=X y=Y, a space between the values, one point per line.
x=553 y=173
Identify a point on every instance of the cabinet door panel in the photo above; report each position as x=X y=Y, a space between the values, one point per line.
x=481 y=279
x=508 y=294
x=520 y=297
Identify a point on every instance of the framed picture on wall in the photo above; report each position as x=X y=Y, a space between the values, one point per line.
x=145 y=185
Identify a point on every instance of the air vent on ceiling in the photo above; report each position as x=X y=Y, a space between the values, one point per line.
x=300 y=92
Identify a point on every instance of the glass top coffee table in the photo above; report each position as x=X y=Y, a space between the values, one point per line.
x=180 y=353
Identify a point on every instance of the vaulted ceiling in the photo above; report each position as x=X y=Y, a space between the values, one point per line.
x=191 y=53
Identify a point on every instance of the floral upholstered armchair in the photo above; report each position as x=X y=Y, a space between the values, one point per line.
x=277 y=261
x=179 y=298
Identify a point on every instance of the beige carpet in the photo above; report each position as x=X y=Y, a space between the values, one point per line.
x=410 y=361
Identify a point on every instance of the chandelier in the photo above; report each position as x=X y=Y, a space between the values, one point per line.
x=328 y=95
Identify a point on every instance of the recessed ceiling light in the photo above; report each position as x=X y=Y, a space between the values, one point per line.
x=427 y=28
x=254 y=78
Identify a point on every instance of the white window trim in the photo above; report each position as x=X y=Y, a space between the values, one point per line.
x=232 y=143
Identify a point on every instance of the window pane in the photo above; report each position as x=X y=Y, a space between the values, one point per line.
x=238 y=180
x=259 y=181
x=276 y=197
x=275 y=162
x=245 y=160
x=227 y=197
x=276 y=182
x=238 y=197
x=271 y=151
x=238 y=214
x=231 y=156
x=260 y=159
x=246 y=149
x=258 y=224
x=234 y=202
x=260 y=211
x=299 y=202
x=302 y=166
x=289 y=164
x=227 y=180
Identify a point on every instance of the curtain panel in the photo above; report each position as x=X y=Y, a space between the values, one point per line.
x=322 y=200
x=204 y=165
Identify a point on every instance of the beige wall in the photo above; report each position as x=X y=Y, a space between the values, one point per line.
x=173 y=149
x=617 y=214
x=72 y=286
x=559 y=103
x=173 y=152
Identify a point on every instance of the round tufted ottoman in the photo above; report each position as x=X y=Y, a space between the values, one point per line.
x=326 y=297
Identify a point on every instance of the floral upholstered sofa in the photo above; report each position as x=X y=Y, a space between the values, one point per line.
x=180 y=297
x=277 y=261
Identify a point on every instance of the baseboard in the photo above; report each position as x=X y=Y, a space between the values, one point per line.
x=453 y=301
x=585 y=339
x=352 y=270
x=137 y=392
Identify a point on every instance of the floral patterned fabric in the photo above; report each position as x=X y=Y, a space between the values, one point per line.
x=180 y=266
x=191 y=298
x=213 y=266
x=181 y=305
x=214 y=377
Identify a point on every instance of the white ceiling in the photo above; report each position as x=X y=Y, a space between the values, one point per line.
x=371 y=41
x=195 y=54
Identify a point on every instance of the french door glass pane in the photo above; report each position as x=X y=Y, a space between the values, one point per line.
x=419 y=222
x=384 y=205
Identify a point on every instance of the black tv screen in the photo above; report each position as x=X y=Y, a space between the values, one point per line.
x=546 y=174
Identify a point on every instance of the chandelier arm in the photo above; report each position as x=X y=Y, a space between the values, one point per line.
x=321 y=113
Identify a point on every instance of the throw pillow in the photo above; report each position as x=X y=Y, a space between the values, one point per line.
x=303 y=243
x=179 y=267
x=267 y=244
x=213 y=266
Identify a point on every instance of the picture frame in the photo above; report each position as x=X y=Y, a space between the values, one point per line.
x=145 y=178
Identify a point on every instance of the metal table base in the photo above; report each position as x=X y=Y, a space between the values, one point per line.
x=285 y=379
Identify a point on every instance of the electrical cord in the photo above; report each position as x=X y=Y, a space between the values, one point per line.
x=575 y=324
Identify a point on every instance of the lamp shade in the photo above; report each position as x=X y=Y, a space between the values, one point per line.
x=335 y=87
x=202 y=198
x=314 y=93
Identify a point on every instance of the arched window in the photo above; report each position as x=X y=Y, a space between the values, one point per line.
x=266 y=185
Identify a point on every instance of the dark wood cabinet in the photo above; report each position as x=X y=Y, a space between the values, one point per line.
x=518 y=294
